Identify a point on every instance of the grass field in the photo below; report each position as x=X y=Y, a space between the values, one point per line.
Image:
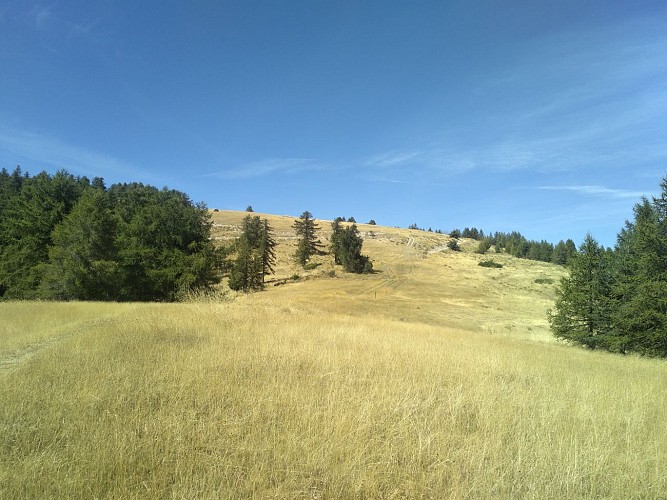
x=432 y=378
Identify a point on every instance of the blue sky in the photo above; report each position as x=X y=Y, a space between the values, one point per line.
x=549 y=118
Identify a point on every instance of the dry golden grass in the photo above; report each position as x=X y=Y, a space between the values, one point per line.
x=429 y=379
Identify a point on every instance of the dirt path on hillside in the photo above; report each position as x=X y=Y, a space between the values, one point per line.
x=15 y=358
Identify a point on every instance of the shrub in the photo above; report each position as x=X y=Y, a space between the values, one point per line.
x=454 y=245
x=490 y=263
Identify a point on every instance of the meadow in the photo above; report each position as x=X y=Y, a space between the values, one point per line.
x=432 y=378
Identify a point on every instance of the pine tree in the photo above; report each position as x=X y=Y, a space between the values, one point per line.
x=583 y=301
x=308 y=244
x=255 y=255
x=246 y=270
x=267 y=245
x=641 y=281
x=83 y=259
x=346 y=246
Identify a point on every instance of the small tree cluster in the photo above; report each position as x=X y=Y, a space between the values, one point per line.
x=255 y=255
x=617 y=299
x=346 y=243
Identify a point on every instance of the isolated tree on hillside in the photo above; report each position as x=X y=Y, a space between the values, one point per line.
x=308 y=244
x=346 y=243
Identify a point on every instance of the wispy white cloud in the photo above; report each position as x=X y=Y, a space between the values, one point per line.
x=45 y=150
x=271 y=166
x=393 y=159
x=596 y=191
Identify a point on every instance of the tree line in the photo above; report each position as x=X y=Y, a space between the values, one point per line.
x=69 y=238
x=517 y=245
x=616 y=299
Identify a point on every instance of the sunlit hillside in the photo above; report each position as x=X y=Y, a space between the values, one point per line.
x=417 y=279
x=432 y=377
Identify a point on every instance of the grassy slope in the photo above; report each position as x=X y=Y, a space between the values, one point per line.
x=432 y=378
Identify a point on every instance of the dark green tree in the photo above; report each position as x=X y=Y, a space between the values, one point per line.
x=641 y=281
x=453 y=244
x=563 y=252
x=164 y=244
x=255 y=255
x=583 y=305
x=308 y=244
x=246 y=271
x=83 y=259
x=346 y=244
x=26 y=226
x=267 y=252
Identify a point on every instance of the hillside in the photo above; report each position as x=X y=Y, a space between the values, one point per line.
x=416 y=279
x=431 y=378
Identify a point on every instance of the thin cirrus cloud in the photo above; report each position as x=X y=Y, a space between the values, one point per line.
x=271 y=166
x=49 y=151
x=596 y=191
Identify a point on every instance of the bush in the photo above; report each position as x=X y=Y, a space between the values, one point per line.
x=490 y=263
x=454 y=245
x=483 y=246
x=311 y=265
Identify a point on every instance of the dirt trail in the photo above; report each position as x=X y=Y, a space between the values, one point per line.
x=13 y=359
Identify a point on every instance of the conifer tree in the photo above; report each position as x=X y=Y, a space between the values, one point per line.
x=83 y=259
x=308 y=244
x=255 y=255
x=583 y=303
x=641 y=281
x=346 y=246
x=267 y=245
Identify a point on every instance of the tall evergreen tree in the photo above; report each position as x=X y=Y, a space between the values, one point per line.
x=26 y=227
x=267 y=252
x=308 y=245
x=246 y=271
x=583 y=303
x=83 y=259
x=641 y=281
x=255 y=255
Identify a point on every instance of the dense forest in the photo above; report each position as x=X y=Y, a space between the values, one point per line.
x=69 y=238
x=616 y=299
x=65 y=237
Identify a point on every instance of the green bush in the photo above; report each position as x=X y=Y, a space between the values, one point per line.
x=490 y=263
x=454 y=245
